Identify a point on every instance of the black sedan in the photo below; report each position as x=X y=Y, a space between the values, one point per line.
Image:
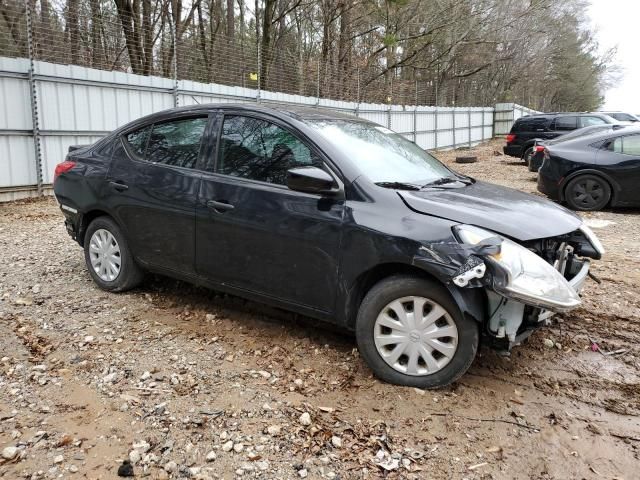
x=330 y=216
x=537 y=156
x=593 y=172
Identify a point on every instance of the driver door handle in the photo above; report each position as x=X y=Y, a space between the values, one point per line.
x=121 y=187
x=219 y=207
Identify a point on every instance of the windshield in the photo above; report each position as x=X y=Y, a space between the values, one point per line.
x=382 y=155
x=623 y=117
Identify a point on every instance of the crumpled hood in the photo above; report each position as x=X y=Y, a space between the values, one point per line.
x=515 y=214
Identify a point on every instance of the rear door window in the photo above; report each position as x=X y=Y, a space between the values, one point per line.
x=176 y=143
x=589 y=121
x=136 y=141
x=565 y=123
x=530 y=125
x=629 y=145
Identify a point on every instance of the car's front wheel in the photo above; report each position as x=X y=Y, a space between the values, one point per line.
x=411 y=332
x=108 y=258
x=587 y=192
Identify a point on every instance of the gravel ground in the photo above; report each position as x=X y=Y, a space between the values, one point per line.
x=183 y=382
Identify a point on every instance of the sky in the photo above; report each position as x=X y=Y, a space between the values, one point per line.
x=618 y=24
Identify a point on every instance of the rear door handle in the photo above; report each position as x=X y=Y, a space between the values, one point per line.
x=219 y=207
x=121 y=187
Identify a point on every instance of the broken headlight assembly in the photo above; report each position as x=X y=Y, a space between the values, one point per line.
x=593 y=240
x=520 y=274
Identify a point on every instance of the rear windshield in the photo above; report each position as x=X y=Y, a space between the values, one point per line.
x=581 y=132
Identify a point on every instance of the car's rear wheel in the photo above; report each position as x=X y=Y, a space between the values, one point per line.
x=108 y=258
x=526 y=156
x=587 y=192
x=411 y=332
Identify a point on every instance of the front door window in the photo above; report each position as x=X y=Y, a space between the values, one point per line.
x=256 y=149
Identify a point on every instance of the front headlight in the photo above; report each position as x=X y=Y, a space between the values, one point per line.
x=527 y=277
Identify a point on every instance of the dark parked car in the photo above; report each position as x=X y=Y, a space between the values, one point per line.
x=536 y=158
x=546 y=126
x=623 y=117
x=332 y=217
x=590 y=173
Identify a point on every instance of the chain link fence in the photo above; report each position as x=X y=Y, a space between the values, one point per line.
x=184 y=41
x=70 y=77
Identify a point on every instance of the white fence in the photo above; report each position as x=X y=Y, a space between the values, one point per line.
x=506 y=114
x=46 y=107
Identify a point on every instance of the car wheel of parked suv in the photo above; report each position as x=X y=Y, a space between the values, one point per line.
x=411 y=332
x=587 y=192
x=108 y=258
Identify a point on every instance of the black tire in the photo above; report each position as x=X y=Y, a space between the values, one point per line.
x=587 y=192
x=130 y=274
x=467 y=159
x=526 y=156
x=396 y=287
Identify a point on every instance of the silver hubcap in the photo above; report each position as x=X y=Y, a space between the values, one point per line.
x=104 y=253
x=415 y=336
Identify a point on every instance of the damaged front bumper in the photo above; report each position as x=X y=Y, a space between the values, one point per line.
x=554 y=272
x=511 y=321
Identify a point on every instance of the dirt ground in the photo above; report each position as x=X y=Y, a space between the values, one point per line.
x=189 y=383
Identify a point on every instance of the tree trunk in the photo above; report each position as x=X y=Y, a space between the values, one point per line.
x=203 y=45
x=231 y=26
x=147 y=36
x=265 y=47
x=73 y=31
x=97 y=51
x=126 y=14
x=46 y=36
x=344 y=49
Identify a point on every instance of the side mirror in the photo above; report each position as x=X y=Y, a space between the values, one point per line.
x=310 y=180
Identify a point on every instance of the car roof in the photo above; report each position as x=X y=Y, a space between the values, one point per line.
x=555 y=114
x=587 y=131
x=299 y=112
x=613 y=133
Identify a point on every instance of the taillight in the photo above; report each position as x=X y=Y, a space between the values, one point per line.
x=511 y=137
x=62 y=168
x=539 y=148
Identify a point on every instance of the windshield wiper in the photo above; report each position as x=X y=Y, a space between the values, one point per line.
x=445 y=180
x=399 y=185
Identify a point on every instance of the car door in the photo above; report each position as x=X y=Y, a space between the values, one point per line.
x=154 y=183
x=537 y=129
x=255 y=234
x=564 y=124
x=620 y=159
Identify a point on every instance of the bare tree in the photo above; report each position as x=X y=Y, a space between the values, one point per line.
x=445 y=51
